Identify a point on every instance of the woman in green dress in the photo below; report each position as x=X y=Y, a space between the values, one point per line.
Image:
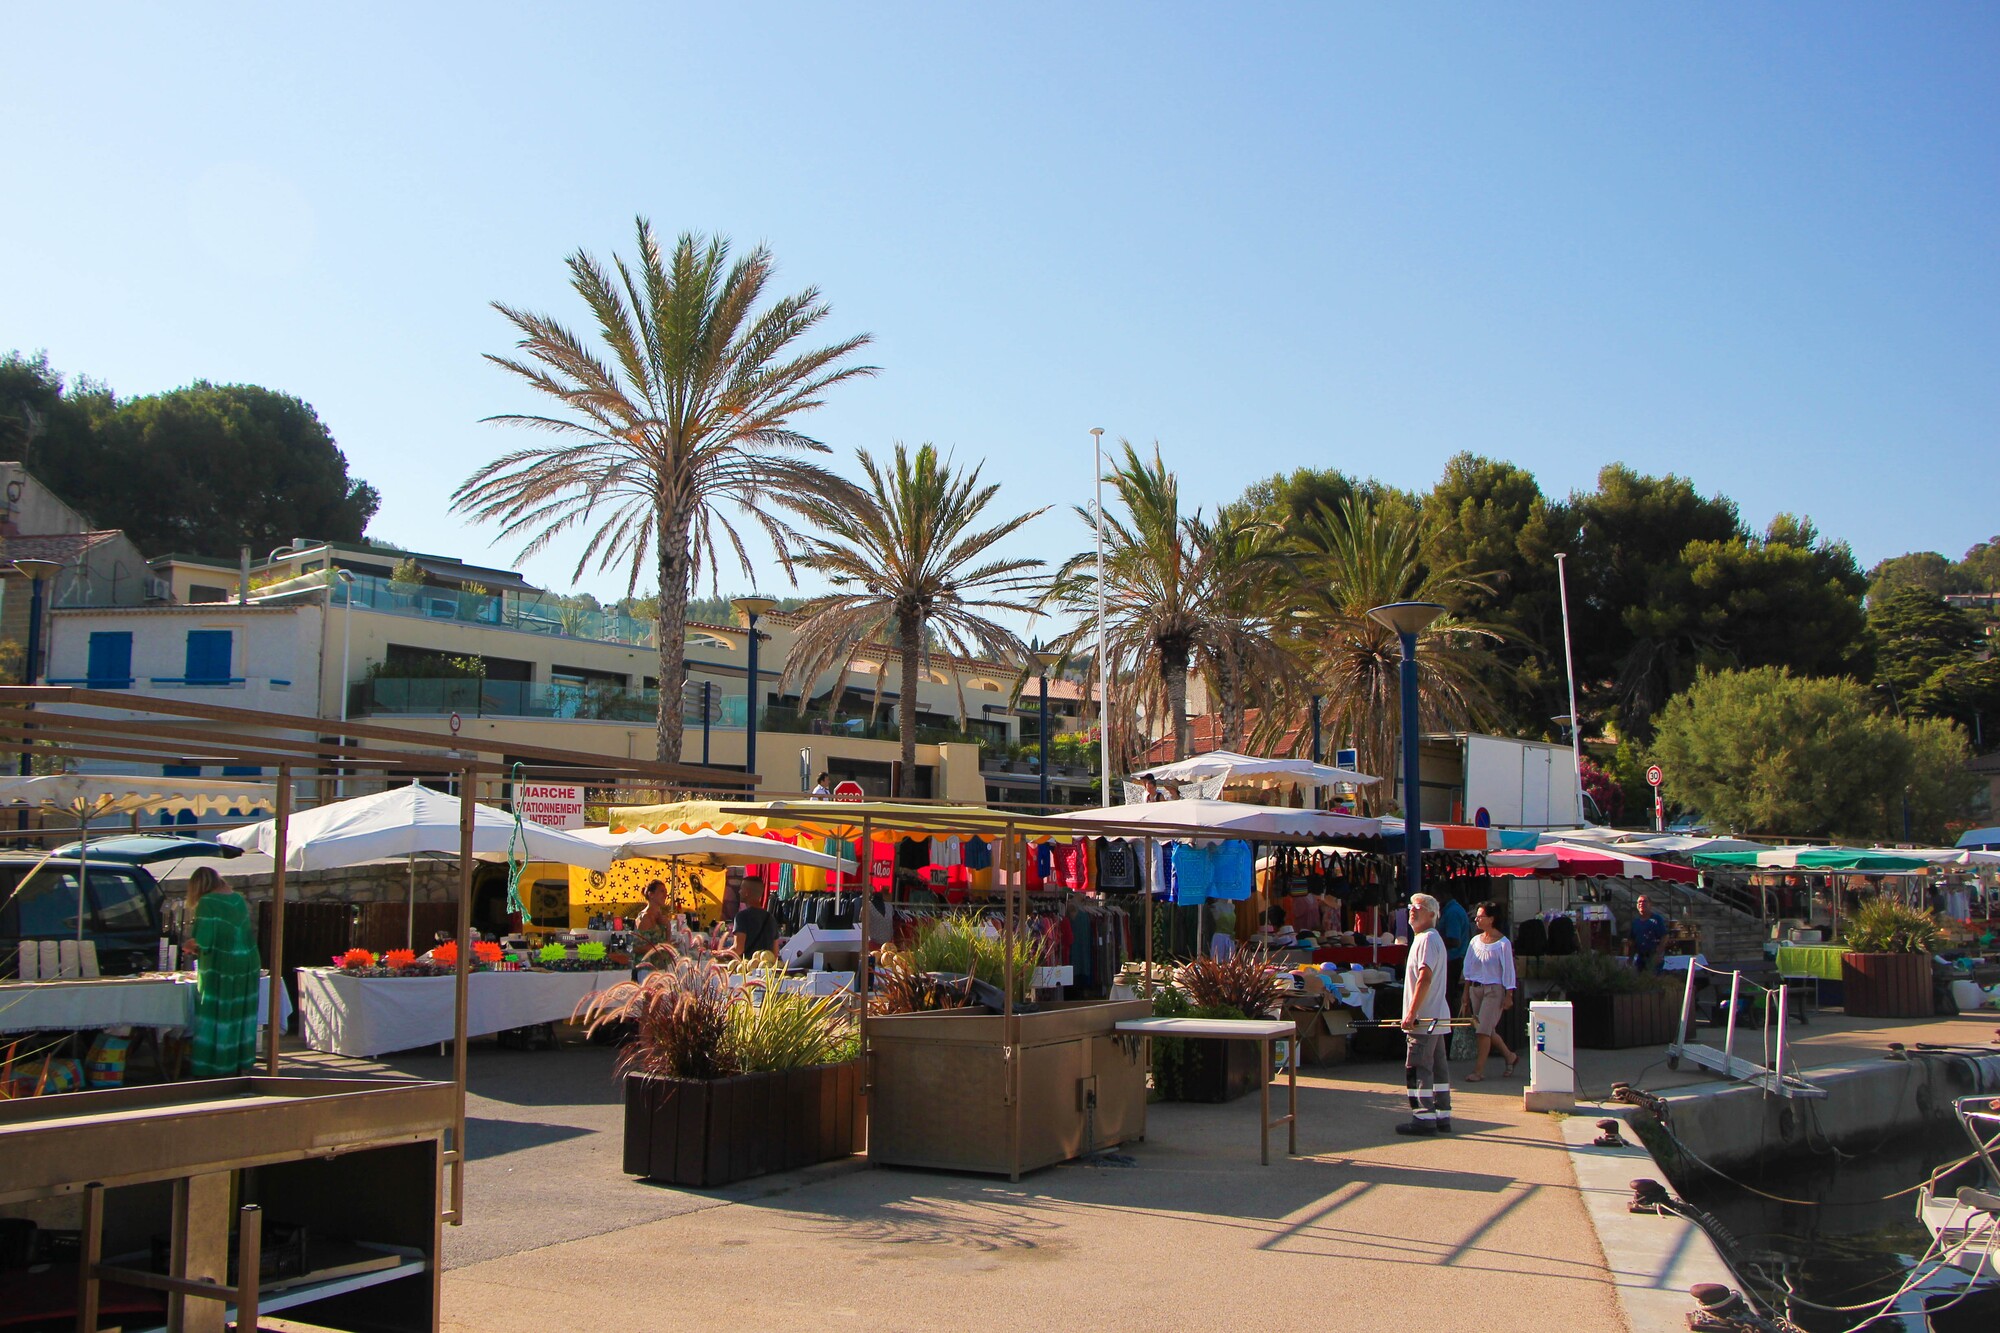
x=227 y=969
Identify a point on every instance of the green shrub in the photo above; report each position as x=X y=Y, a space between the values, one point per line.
x=1883 y=925
x=1578 y=975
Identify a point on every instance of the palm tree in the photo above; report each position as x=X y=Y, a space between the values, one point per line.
x=909 y=569
x=1346 y=561
x=1244 y=664
x=1176 y=594
x=693 y=411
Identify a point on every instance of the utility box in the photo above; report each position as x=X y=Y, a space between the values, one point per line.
x=1551 y=1057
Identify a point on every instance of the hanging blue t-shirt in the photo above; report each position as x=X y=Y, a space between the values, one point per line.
x=1194 y=873
x=1163 y=871
x=1235 y=872
x=978 y=854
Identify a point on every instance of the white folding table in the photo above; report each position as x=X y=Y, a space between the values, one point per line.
x=1263 y=1032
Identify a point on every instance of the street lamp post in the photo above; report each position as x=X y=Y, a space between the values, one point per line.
x=1407 y=620
x=1103 y=663
x=750 y=608
x=1045 y=663
x=1569 y=669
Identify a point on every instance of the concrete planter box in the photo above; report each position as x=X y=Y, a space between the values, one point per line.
x=938 y=1087
x=705 y=1133
x=1886 y=985
x=1615 y=1022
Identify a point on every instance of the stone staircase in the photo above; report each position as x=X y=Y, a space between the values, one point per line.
x=1729 y=937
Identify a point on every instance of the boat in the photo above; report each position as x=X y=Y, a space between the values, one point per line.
x=1964 y=1224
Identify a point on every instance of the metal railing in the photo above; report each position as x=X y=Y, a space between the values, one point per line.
x=532 y=613
x=471 y=696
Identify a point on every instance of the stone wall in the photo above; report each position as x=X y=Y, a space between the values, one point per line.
x=437 y=882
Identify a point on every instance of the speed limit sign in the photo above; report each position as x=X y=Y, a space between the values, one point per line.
x=1653 y=775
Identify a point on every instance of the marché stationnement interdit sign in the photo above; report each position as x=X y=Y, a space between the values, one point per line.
x=551 y=804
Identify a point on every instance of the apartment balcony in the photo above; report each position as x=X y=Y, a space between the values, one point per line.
x=471 y=697
x=512 y=611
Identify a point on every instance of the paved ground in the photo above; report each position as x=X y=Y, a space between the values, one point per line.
x=1485 y=1231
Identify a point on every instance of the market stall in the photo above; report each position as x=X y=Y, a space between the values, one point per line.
x=164 y=1000
x=370 y=1016
x=365 y=1016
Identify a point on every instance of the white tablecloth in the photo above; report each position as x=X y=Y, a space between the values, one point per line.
x=366 y=1016
x=156 y=1000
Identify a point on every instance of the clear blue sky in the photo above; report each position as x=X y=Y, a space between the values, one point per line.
x=1758 y=246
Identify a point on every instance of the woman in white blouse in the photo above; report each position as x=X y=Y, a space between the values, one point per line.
x=1489 y=987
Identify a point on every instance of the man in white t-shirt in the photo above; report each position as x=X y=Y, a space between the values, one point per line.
x=1426 y=1024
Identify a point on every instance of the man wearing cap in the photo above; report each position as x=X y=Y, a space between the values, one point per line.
x=1426 y=1024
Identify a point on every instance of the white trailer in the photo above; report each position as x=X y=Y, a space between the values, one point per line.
x=1519 y=784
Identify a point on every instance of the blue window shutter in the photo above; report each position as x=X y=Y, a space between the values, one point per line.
x=110 y=660
x=208 y=654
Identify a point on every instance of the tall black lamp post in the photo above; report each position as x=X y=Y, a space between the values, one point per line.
x=750 y=608
x=1408 y=620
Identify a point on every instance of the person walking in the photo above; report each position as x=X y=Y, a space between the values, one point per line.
x=1489 y=988
x=1426 y=1024
x=227 y=971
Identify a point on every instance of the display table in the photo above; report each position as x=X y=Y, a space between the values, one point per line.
x=1375 y=955
x=150 y=1000
x=1810 y=960
x=366 y=1016
x=1261 y=1031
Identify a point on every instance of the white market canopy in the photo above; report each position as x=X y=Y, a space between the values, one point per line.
x=406 y=822
x=87 y=796
x=711 y=848
x=1944 y=857
x=1270 y=772
x=1232 y=819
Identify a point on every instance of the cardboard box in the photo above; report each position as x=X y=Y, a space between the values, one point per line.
x=1322 y=1033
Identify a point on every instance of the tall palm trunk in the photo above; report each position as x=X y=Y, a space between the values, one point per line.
x=670 y=633
x=910 y=641
x=1173 y=675
x=1232 y=702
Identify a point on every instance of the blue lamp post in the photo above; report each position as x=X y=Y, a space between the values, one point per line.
x=1408 y=620
x=751 y=608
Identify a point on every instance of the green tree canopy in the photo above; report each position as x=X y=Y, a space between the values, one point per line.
x=1926 y=571
x=204 y=469
x=1767 y=751
x=1917 y=632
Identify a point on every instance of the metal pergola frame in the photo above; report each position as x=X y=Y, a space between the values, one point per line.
x=124 y=728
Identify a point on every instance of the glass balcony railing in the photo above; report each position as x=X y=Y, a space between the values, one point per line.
x=533 y=613
x=469 y=697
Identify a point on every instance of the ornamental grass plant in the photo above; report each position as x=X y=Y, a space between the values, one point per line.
x=1243 y=982
x=679 y=1016
x=771 y=1028
x=1885 y=925
x=688 y=1021
x=965 y=944
x=899 y=988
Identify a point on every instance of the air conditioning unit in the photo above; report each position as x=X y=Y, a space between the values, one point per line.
x=158 y=589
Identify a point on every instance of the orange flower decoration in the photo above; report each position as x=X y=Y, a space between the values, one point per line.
x=485 y=951
x=446 y=954
x=399 y=958
x=357 y=958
